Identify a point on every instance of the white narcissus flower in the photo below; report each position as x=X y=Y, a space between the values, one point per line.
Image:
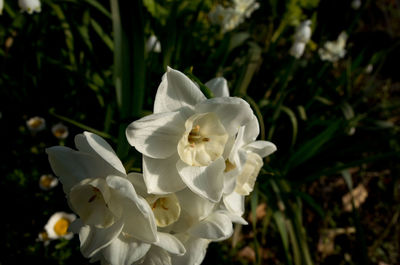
x=188 y=138
x=57 y=226
x=60 y=131
x=356 y=4
x=245 y=7
x=36 y=124
x=334 y=50
x=116 y=224
x=29 y=6
x=1 y=6
x=301 y=37
x=47 y=182
x=245 y=159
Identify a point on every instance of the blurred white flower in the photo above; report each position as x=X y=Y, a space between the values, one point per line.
x=29 y=6
x=188 y=136
x=58 y=224
x=369 y=68
x=36 y=124
x=116 y=224
x=297 y=49
x=153 y=44
x=60 y=131
x=356 y=4
x=43 y=237
x=334 y=50
x=48 y=182
x=229 y=18
x=301 y=37
x=1 y=6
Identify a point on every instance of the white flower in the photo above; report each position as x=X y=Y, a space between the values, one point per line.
x=245 y=159
x=58 y=224
x=48 y=182
x=153 y=44
x=1 y=6
x=355 y=4
x=43 y=237
x=29 y=6
x=297 y=49
x=245 y=7
x=303 y=32
x=60 y=131
x=115 y=223
x=36 y=124
x=334 y=50
x=188 y=137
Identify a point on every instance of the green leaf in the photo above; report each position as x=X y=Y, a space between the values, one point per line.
x=106 y=39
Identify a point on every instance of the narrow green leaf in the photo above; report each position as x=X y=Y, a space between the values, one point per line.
x=99 y=7
x=107 y=40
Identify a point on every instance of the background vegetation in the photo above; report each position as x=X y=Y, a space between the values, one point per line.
x=336 y=125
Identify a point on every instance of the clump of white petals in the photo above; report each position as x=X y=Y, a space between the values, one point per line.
x=334 y=50
x=47 y=182
x=301 y=38
x=36 y=124
x=153 y=44
x=230 y=17
x=58 y=224
x=356 y=4
x=29 y=6
x=1 y=6
x=60 y=131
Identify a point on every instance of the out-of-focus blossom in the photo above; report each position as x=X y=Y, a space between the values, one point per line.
x=301 y=37
x=43 y=237
x=153 y=44
x=60 y=131
x=58 y=224
x=48 y=182
x=356 y=4
x=29 y=6
x=36 y=124
x=1 y=6
x=334 y=50
x=230 y=17
x=369 y=68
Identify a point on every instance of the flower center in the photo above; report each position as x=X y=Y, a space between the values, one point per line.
x=46 y=181
x=61 y=227
x=35 y=123
x=59 y=132
x=166 y=209
x=229 y=166
x=203 y=141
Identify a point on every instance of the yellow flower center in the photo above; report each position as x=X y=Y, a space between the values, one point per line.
x=166 y=209
x=35 y=123
x=59 y=132
x=229 y=166
x=45 y=181
x=61 y=227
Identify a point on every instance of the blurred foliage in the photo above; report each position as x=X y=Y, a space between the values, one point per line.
x=333 y=123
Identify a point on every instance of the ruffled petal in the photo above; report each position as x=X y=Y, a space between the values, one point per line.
x=232 y=112
x=157 y=135
x=161 y=175
x=207 y=182
x=95 y=145
x=219 y=87
x=175 y=91
x=197 y=207
x=170 y=243
x=71 y=166
x=157 y=256
x=218 y=226
x=125 y=250
x=196 y=249
x=262 y=148
x=133 y=208
x=234 y=203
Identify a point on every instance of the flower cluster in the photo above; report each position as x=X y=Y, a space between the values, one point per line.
x=200 y=160
x=230 y=17
x=334 y=50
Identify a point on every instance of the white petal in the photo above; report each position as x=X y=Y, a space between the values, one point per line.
x=219 y=87
x=170 y=243
x=207 y=182
x=251 y=130
x=94 y=239
x=94 y=144
x=156 y=135
x=234 y=203
x=232 y=112
x=161 y=175
x=218 y=226
x=196 y=249
x=138 y=183
x=197 y=207
x=71 y=166
x=157 y=256
x=125 y=251
x=134 y=208
x=262 y=148
x=175 y=91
